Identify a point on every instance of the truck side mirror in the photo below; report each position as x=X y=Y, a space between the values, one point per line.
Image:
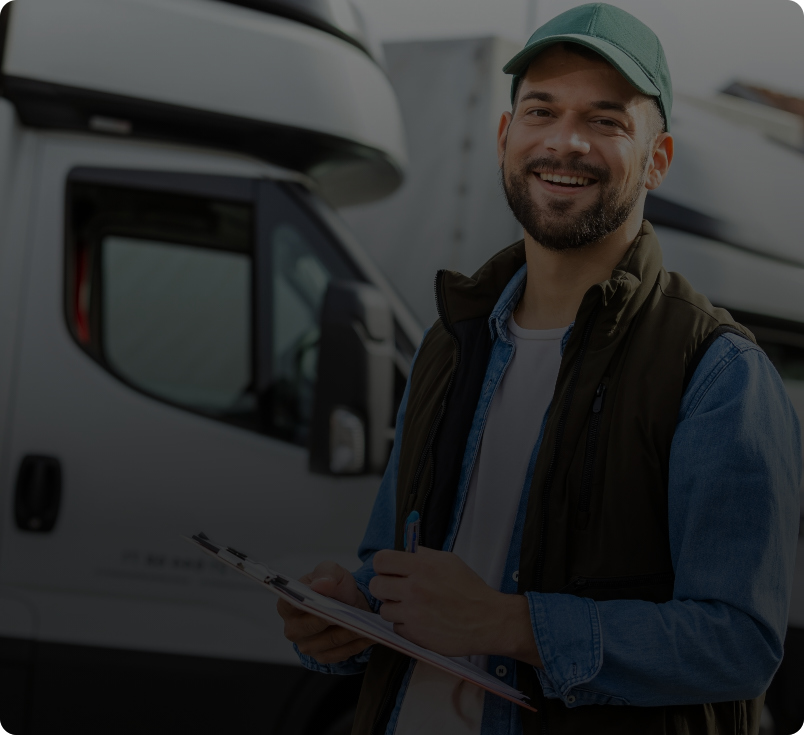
x=354 y=391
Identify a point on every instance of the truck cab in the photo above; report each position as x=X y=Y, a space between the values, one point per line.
x=175 y=286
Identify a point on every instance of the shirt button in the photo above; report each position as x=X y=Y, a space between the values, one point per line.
x=501 y=670
x=515 y=575
x=571 y=699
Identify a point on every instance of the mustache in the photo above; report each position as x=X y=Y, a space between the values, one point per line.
x=579 y=168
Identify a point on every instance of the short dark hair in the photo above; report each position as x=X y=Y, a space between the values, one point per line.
x=660 y=124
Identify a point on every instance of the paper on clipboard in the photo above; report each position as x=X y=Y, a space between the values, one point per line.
x=368 y=625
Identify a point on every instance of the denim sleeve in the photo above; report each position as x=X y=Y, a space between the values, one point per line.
x=379 y=535
x=733 y=504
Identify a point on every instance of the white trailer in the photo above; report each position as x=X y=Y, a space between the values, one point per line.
x=167 y=172
x=728 y=217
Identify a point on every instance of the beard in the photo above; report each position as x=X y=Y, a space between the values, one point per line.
x=552 y=226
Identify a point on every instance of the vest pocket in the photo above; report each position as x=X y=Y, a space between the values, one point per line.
x=582 y=517
x=656 y=587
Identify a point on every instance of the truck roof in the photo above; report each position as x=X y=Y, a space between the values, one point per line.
x=211 y=72
x=339 y=17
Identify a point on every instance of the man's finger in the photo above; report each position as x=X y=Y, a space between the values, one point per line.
x=287 y=611
x=399 y=563
x=393 y=612
x=333 y=580
x=325 y=570
x=399 y=629
x=326 y=586
x=388 y=588
x=304 y=627
x=329 y=570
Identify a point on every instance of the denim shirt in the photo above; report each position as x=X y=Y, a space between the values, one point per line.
x=733 y=505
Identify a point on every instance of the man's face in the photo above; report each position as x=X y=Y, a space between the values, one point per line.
x=578 y=118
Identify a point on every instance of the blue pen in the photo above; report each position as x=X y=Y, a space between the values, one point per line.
x=412 y=525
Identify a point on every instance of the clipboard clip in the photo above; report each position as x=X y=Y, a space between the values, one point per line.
x=282 y=583
x=203 y=539
x=206 y=542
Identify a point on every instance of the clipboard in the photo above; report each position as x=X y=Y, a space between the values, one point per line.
x=366 y=624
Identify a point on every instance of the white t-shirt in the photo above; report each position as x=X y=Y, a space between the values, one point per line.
x=437 y=703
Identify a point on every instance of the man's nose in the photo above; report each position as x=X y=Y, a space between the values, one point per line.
x=567 y=138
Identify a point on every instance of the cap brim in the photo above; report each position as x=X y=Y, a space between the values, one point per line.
x=615 y=56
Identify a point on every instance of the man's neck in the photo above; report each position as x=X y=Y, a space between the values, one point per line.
x=558 y=281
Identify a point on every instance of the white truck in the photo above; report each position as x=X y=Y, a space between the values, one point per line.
x=168 y=245
x=728 y=216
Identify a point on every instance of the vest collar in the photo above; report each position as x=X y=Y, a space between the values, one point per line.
x=493 y=290
x=622 y=295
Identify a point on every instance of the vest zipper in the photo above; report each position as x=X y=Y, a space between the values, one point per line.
x=589 y=457
x=428 y=447
x=548 y=482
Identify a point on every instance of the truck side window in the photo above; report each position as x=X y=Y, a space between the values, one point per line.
x=159 y=292
x=209 y=304
x=176 y=319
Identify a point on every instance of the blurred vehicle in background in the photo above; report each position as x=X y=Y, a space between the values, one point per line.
x=728 y=216
x=168 y=172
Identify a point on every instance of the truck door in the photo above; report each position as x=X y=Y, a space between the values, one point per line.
x=164 y=386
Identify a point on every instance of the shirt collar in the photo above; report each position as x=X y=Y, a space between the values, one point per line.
x=509 y=298
x=498 y=320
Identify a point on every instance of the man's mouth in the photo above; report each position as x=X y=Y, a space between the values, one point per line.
x=568 y=181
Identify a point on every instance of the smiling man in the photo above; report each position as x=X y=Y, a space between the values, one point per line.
x=606 y=466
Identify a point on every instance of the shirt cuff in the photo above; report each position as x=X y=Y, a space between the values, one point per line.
x=353 y=665
x=567 y=633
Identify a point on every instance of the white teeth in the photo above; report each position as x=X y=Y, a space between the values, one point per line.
x=555 y=178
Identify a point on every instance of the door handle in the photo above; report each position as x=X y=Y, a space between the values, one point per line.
x=38 y=496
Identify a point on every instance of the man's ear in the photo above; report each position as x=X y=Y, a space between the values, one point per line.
x=660 y=162
x=502 y=136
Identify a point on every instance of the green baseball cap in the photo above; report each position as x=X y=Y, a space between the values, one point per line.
x=625 y=42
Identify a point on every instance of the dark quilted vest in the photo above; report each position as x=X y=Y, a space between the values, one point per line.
x=596 y=523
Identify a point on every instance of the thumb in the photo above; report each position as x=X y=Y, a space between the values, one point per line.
x=334 y=581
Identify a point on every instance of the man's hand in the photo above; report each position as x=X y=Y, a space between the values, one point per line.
x=435 y=600
x=315 y=637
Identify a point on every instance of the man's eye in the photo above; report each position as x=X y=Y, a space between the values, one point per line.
x=608 y=123
x=539 y=112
